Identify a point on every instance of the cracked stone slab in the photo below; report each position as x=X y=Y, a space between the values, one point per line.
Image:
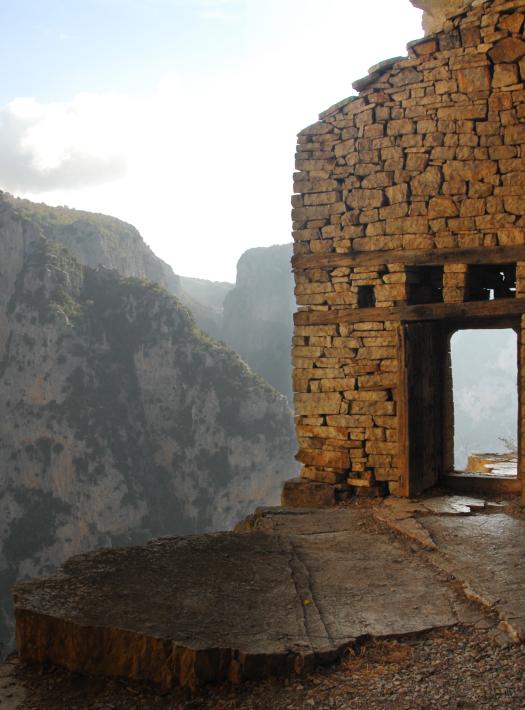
x=407 y=525
x=292 y=591
x=484 y=552
x=405 y=516
x=438 y=504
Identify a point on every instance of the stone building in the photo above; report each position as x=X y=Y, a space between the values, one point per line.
x=408 y=225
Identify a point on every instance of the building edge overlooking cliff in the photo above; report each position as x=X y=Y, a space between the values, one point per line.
x=416 y=180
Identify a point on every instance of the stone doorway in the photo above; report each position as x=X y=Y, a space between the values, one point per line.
x=433 y=442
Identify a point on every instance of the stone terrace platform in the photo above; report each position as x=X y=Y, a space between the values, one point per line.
x=288 y=590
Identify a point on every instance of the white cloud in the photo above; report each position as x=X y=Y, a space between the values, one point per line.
x=203 y=164
x=63 y=145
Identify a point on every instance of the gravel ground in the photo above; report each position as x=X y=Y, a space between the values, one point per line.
x=451 y=668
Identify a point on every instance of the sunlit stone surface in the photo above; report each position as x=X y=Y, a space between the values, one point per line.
x=435 y=12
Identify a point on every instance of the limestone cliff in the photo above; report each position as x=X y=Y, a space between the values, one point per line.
x=99 y=240
x=258 y=313
x=121 y=419
x=255 y=320
x=210 y=293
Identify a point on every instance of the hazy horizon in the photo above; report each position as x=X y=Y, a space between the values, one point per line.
x=180 y=116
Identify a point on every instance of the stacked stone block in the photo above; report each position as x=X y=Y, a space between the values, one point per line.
x=429 y=156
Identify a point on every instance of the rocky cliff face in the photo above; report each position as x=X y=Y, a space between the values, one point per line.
x=258 y=313
x=98 y=240
x=121 y=420
x=255 y=320
x=210 y=293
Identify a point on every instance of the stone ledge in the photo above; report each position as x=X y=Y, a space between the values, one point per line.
x=292 y=592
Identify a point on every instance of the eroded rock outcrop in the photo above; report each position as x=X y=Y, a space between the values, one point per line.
x=124 y=421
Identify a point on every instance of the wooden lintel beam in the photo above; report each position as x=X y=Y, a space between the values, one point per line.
x=478 y=255
x=431 y=311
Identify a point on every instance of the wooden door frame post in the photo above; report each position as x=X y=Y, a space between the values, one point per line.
x=521 y=405
x=402 y=413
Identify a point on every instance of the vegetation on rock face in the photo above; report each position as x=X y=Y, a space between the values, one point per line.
x=36 y=529
x=253 y=316
x=56 y=275
x=125 y=420
x=97 y=240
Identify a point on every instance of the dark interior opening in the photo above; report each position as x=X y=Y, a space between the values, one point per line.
x=460 y=403
x=424 y=361
x=366 y=297
x=424 y=284
x=486 y=282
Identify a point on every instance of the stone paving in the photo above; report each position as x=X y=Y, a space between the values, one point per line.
x=476 y=542
x=286 y=591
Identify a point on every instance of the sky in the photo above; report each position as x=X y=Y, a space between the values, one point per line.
x=180 y=116
x=484 y=369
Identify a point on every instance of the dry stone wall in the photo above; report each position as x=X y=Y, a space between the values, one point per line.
x=429 y=156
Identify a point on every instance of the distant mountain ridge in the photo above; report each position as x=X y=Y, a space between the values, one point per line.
x=97 y=239
x=252 y=316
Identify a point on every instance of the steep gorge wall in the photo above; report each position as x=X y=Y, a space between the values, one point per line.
x=124 y=420
x=98 y=240
x=258 y=314
x=253 y=316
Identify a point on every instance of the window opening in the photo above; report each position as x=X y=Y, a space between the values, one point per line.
x=366 y=297
x=485 y=396
x=486 y=282
x=424 y=284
